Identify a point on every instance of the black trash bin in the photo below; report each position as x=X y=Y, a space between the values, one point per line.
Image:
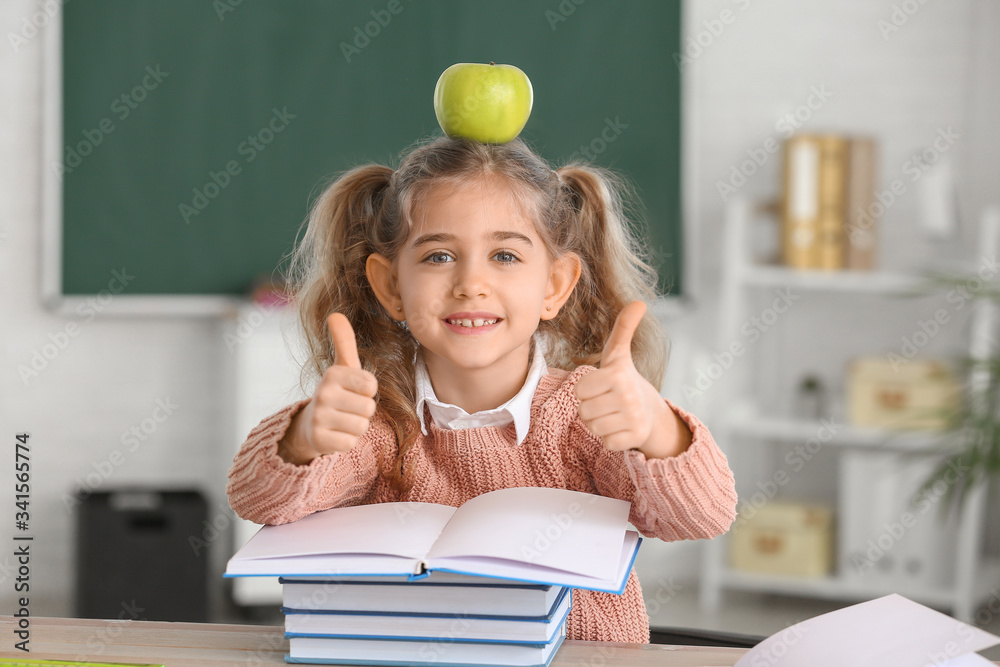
x=134 y=558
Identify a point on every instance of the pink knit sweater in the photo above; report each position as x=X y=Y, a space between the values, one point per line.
x=689 y=496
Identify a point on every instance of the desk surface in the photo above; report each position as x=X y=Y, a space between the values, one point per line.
x=210 y=644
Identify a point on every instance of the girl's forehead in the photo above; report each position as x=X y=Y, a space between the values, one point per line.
x=468 y=212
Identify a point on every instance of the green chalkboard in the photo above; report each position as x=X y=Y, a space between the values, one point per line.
x=197 y=132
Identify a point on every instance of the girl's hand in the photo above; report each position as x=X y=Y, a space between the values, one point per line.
x=342 y=405
x=620 y=406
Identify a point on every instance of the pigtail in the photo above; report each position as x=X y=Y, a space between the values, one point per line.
x=327 y=274
x=326 y=265
x=617 y=270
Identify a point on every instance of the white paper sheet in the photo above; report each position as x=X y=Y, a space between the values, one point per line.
x=968 y=660
x=890 y=630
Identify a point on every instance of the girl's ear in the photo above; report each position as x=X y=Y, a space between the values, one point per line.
x=382 y=278
x=562 y=279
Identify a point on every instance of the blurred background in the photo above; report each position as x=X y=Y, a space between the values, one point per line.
x=820 y=195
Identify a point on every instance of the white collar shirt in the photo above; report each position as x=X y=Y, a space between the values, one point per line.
x=517 y=409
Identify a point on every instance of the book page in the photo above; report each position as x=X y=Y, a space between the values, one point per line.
x=373 y=566
x=555 y=528
x=396 y=529
x=513 y=570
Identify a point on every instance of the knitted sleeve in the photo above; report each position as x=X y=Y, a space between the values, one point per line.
x=264 y=488
x=684 y=497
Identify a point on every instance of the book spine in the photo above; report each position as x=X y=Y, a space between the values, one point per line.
x=800 y=203
x=861 y=214
x=813 y=233
x=832 y=198
x=422 y=572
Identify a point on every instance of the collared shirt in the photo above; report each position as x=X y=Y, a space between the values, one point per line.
x=517 y=409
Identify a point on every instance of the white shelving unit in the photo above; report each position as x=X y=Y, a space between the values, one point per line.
x=748 y=426
x=861 y=282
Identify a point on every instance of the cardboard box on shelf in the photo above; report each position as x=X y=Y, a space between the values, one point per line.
x=784 y=538
x=919 y=394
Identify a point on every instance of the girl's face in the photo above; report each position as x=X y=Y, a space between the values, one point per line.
x=472 y=255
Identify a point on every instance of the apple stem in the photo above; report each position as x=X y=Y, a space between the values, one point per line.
x=491 y=62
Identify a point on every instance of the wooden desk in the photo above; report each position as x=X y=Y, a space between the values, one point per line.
x=215 y=645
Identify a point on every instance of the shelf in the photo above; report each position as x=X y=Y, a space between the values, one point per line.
x=743 y=422
x=833 y=587
x=837 y=588
x=874 y=282
x=843 y=435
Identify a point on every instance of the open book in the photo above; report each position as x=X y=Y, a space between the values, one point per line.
x=530 y=534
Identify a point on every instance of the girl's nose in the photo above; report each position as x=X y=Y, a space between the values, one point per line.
x=471 y=281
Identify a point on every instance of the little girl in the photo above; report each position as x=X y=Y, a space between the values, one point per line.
x=476 y=322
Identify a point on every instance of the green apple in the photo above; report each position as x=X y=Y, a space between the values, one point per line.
x=487 y=103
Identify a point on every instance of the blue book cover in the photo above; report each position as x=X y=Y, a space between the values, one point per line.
x=428 y=654
x=439 y=628
x=439 y=593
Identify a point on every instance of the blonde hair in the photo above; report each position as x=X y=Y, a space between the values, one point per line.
x=579 y=208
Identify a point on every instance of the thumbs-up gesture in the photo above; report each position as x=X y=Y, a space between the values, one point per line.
x=343 y=403
x=617 y=403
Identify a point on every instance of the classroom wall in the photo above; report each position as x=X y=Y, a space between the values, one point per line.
x=765 y=62
x=160 y=375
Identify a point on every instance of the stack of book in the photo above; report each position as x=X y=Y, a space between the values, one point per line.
x=487 y=583
x=828 y=207
x=445 y=619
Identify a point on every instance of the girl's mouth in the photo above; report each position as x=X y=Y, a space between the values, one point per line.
x=472 y=327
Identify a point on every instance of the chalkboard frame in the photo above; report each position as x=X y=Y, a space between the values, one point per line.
x=106 y=302
x=214 y=305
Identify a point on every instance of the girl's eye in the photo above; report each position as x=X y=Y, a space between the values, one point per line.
x=507 y=254
x=510 y=258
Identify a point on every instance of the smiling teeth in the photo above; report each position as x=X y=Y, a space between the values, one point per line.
x=471 y=323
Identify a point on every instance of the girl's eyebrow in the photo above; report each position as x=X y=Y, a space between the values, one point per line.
x=496 y=236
